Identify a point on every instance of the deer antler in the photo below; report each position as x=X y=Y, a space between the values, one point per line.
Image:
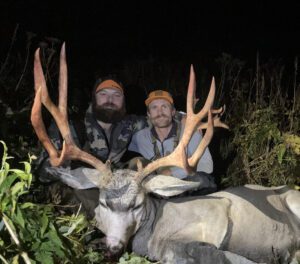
x=178 y=157
x=217 y=113
x=69 y=151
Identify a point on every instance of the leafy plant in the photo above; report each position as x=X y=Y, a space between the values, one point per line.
x=32 y=232
x=133 y=259
x=264 y=119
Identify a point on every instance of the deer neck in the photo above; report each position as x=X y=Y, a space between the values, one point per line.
x=141 y=238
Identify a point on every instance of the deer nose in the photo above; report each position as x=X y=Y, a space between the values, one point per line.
x=115 y=249
x=114 y=246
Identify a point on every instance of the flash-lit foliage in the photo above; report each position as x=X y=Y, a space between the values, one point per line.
x=32 y=233
x=263 y=113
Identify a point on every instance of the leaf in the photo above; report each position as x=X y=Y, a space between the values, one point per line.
x=74 y=225
x=35 y=246
x=18 y=218
x=17 y=188
x=4 y=153
x=5 y=185
x=133 y=259
x=280 y=152
x=27 y=167
x=4 y=172
x=4 y=204
x=45 y=222
x=44 y=257
x=53 y=245
x=27 y=205
x=52 y=235
x=15 y=260
x=21 y=174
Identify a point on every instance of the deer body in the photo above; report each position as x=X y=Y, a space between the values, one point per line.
x=238 y=225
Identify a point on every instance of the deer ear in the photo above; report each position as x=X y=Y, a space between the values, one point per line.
x=93 y=176
x=80 y=178
x=167 y=186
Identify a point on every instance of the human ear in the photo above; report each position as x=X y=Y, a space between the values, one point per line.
x=173 y=111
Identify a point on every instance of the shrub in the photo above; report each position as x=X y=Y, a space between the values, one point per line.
x=33 y=232
x=264 y=117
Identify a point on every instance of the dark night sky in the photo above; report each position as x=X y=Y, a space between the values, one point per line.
x=129 y=28
x=101 y=32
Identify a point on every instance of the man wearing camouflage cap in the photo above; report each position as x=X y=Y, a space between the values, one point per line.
x=163 y=137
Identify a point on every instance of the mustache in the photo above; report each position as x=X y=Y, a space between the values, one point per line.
x=159 y=116
x=108 y=105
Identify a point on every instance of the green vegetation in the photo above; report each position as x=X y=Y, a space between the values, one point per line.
x=133 y=259
x=32 y=232
x=264 y=116
x=37 y=233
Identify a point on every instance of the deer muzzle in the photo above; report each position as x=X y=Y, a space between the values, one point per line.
x=115 y=246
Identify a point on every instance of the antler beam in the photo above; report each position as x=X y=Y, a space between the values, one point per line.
x=69 y=151
x=178 y=157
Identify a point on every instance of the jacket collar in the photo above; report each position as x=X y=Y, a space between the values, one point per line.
x=171 y=134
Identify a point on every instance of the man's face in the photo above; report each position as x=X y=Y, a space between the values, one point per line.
x=109 y=105
x=110 y=98
x=161 y=113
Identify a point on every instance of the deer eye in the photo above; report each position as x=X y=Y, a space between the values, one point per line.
x=103 y=204
x=137 y=206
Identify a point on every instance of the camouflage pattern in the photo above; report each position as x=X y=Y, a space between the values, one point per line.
x=90 y=136
x=120 y=138
x=95 y=141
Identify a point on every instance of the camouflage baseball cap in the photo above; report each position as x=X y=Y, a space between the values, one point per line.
x=159 y=94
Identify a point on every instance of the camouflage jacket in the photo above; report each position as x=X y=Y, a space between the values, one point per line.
x=121 y=134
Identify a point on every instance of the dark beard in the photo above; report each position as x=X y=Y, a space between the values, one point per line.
x=105 y=115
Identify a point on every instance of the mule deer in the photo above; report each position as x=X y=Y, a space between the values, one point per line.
x=245 y=224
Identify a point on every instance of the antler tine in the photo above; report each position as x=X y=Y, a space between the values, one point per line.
x=193 y=160
x=59 y=114
x=179 y=157
x=63 y=81
x=39 y=127
x=193 y=121
x=70 y=151
x=217 y=113
x=36 y=114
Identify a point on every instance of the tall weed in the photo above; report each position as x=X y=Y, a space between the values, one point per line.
x=33 y=233
x=263 y=113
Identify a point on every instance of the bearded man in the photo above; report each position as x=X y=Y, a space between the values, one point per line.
x=109 y=129
x=106 y=134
